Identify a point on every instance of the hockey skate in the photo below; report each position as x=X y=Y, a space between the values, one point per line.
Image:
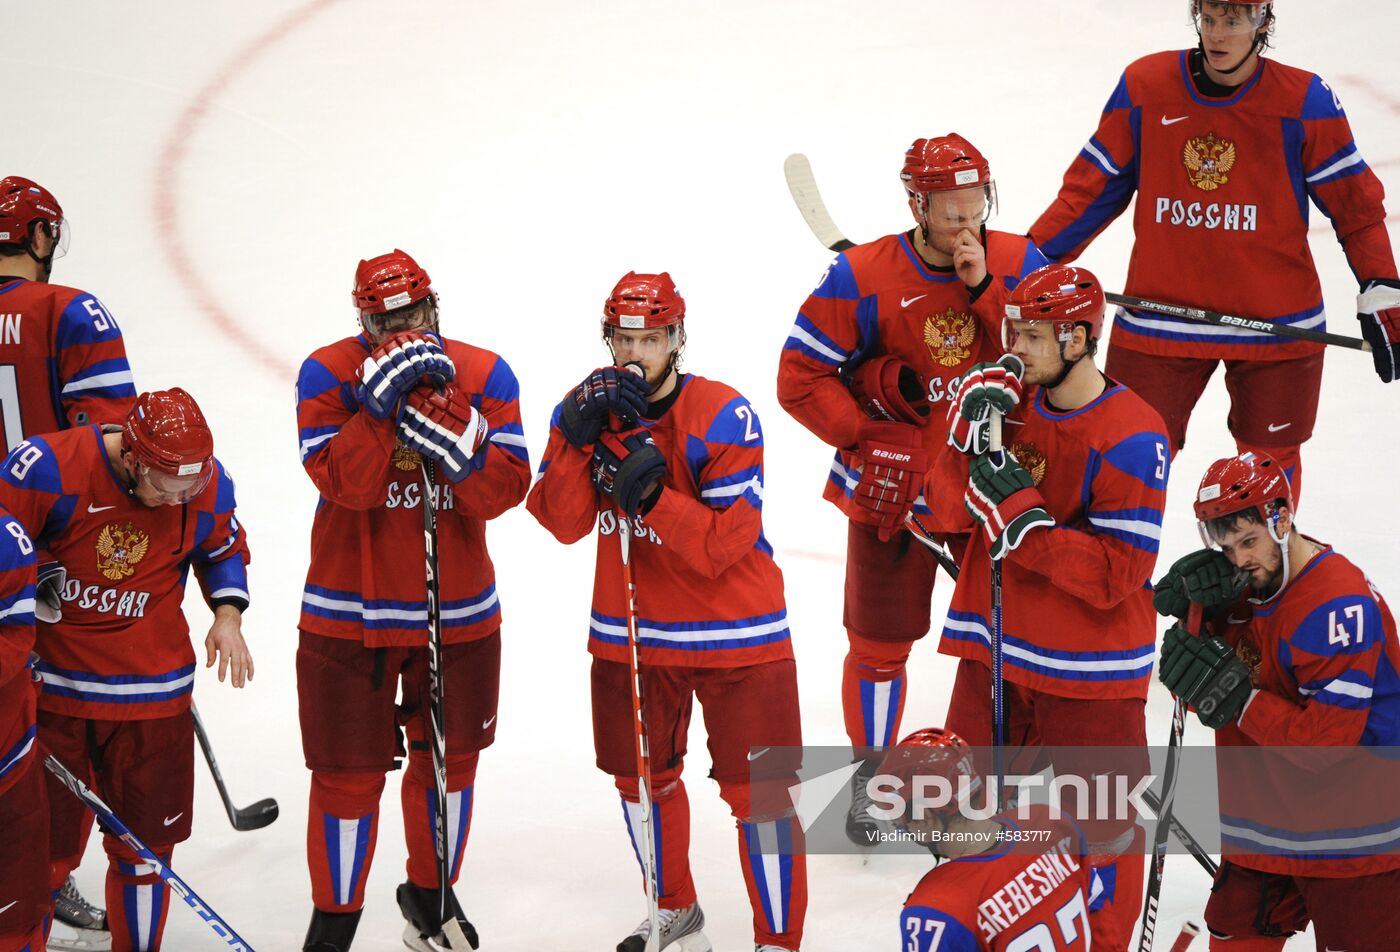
x=331 y=931
x=680 y=932
x=423 y=932
x=862 y=829
x=79 y=925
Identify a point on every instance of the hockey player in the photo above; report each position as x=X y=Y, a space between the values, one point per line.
x=1306 y=656
x=373 y=410
x=877 y=350
x=24 y=808
x=683 y=475
x=62 y=363
x=126 y=512
x=1224 y=149
x=1074 y=511
x=993 y=892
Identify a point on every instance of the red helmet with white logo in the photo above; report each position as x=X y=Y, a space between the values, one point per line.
x=389 y=282
x=643 y=301
x=22 y=204
x=934 y=752
x=1058 y=293
x=1249 y=481
x=167 y=434
x=943 y=162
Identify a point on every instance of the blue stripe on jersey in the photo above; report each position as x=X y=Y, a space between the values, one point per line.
x=1119 y=98
x=1338 y=843
x=693 y=635
x=1117 y=193
x=1032 y=260
x=1383 y=723
x=7 y=288
x=224 y=492
x=1141 y=528
x=1321 y=102
x=806 y=338
x=227 y=578
x=1294 y=139
x=511 y=438
x=314 y=379
x=16 y=548
x=697 y=454
x=501 y=383
x=1346 y=625
x=736 y=424
x=383 y=613
x=838 y=281
x=848 y=479
x=722 y=492
x=1096 y=153
x=102 y=378
x=314 y=439
x=78 y=324
x=1144 y=457
x=13 y=757
x=1170 y=328
x=1350 y=690
x=922 y=929
x=17 y=608
x=118 y=688
x=868 y=325
x=1344 y=163
x=1051 y=662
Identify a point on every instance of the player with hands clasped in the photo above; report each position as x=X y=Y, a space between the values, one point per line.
x=126 y=512
x=676 y=461
x=1073 y=508
x=1225 y=149
x=1301 y=652
x=876 y=352
x=373 y=410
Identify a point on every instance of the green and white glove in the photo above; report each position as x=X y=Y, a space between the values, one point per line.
x=1205 y=578
x=1003 y=499
x=1206 y=673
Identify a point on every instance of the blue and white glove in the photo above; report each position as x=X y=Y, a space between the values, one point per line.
x=48 y=594
x=1378 y=310
x=400 y=363
x=445 y=428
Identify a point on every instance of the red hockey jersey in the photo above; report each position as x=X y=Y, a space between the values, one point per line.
x=62 y=361
x=122 y=650
x=17 y=688
x=1078 y=618
x=367 y=576
x=1325 y=659
x=1222 y=204
x=881 y=298
x=708 y=591
x=1007 y=899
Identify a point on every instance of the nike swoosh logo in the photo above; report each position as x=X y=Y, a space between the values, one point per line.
x=1172 y=122
x=905 y=302
x=1275 y=427
x=171 y=819
x=3 y=908
x=92 y=508
x=486 y=724
x=755 y=754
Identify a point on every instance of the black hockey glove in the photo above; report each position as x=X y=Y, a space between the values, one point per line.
x=628 y=467
x=1205 y=578
x=1378 y=310
x=615 y=390
x=1206 y=673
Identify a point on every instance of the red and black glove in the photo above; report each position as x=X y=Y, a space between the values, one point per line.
x=628 y=467
x=887 y=388
x=893 y=464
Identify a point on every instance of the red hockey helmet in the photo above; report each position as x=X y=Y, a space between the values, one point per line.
x=644 y=301
x=1058 y=293
x=934 y=752
x=22 y=204
x=1237 y=483
x=389 y=282
x=942 y=163
x=167 y=434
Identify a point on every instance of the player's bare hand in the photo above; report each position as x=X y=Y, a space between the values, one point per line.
x=969 y=258
x=226 y=645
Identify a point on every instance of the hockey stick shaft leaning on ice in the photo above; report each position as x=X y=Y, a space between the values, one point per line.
x=119 y=829
x=437 y=739
x=998 y=654
x=252 y=817
x=803 y=186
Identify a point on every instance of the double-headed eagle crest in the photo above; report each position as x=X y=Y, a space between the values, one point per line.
x=949 y=337
x=405 y=458
x=119 y=548
x=1207 y=160
x=1032 y=460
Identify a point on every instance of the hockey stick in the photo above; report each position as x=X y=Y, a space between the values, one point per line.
x=803 y=186
x=998 y=672
x=438 y=740
x=253 y=817
x=940 y=553
x=112 y=824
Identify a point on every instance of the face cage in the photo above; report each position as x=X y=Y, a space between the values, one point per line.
x=1226 y=23
x=183 y=488
x=926 y=202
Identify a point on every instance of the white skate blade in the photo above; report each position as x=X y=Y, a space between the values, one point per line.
x=695 y=942
x=66 y=938
x=412 y=940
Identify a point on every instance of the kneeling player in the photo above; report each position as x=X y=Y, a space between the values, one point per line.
x=1306 y=657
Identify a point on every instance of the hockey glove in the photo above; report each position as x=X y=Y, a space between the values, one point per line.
x=1378 y=309
x=399 y=364
x=886 y=388
x=615 y=390
x=445 y=428
x=1205 y=578
x=893 y=464
x=1205 y=673
x=628 y=467
x=985 y=389
x=1003 y=499
x=48 y=594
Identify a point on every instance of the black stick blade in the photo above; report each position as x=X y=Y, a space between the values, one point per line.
x=256 y=816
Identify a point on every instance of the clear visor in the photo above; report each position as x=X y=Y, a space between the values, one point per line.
x=380 y=326
x=177 y=488
x=646 y=344
x=1218 y=19
x=953 y=210
x=61 y=232
x=1012 y=329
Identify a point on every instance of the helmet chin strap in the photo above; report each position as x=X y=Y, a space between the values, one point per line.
x=1287 y=570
